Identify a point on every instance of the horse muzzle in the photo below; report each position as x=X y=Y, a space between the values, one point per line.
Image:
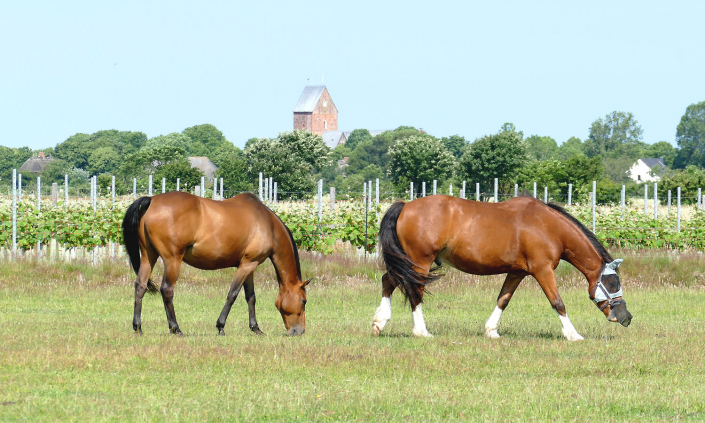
x=620 y=314
x=296 y=330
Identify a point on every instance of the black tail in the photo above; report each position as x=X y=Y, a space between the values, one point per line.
x=400 y=268
x=130 y=234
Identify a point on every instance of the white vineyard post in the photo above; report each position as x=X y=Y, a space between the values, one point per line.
x=594 y=201
x=545 y=194
x=435 y=184
x=320 y=200
x=463 y=194
x=570 y=195
x=496 y=188
x=260 y=188
x=271 y=187
x=221 y=189
x=266 y=189
x=516 y=190
x=215 y=189
x=376 y=194
x=332 y=199
x=668 y=213
x=275 y=194
x=369 y=193
x=178 y=184
x=534 y=189
x=163 y=185
x=423 y=189
x=477 y=191
x=134 y=188
x=678 y=204
x=203 y=187
x=411 y=191
x=14 y=211
x=450 y=190
x=39 y=193
x=149 y=188
x=655 y=200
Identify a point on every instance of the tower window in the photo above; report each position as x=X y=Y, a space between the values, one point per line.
x=325 y=103
x=325 y=125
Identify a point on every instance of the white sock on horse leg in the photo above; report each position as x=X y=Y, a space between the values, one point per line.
x=493 y=323
x=382 y=315
x=569 y=330
x=419 y=323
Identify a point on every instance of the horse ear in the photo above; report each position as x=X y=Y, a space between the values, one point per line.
x=307 y=282
x=615 y=264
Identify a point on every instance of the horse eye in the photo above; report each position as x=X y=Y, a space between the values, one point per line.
x=303 y=301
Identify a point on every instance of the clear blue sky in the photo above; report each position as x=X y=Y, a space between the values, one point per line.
x=448 y=67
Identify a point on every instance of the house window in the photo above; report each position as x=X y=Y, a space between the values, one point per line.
x=325 y=125
x=638 y=177
x=325 y=103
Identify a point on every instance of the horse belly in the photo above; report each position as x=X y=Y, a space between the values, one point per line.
x=482 y=255
x=212 y=257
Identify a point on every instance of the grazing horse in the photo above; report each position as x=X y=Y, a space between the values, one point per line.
x=520 y=237
x=239 y=232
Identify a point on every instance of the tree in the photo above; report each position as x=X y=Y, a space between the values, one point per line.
x=290 y=159
x=148 y=161
x=12 y=158
x=103 y=160
x=205 y=140
x=419 y=158
x=662 y=149
x=455 y=144
x=54 y=171
x=78 y=148
x=618 y=134
x=234 y=172
x=541 y=148
x=690 y=136
x=358 y=136
x=549 y=173
x=494 y=156
x=689 y=179
x=573 y=146
x=376 y=150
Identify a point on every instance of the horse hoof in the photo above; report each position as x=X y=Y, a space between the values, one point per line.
x=492 y=333
x=376 y=330
x=221 y=332
x=422 y=334
x=258 y=332
x=138 y=332
x=177 y=332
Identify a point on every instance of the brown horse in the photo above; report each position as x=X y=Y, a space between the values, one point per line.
x=519 y=237
x=239 y=232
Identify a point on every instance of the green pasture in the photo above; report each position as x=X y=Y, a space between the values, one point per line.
x=68 y=353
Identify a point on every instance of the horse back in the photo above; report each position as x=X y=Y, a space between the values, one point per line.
x=209 y=234
x=478 y=237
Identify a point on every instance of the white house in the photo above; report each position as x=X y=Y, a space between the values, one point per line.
x=642 y=170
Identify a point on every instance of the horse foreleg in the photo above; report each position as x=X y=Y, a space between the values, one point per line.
x=505 y=294
x=146 y=266
x=547 y=280
x=419 y=323
x=244 y=271
x=384 y=311
x=250 y=297
x=172 y=266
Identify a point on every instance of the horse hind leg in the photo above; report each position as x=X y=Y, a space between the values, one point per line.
x=172 y=266
x=384 y=311
x=149 y=258
x=510 y=285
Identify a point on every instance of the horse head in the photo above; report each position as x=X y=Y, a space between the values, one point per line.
x=291 y=303
x=607 y=295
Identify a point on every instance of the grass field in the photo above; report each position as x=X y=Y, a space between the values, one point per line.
x=68 y=353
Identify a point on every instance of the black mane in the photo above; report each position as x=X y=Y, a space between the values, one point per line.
x=601 y=250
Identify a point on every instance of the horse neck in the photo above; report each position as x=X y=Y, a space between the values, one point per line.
x=580 y=252
x=284 y=259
